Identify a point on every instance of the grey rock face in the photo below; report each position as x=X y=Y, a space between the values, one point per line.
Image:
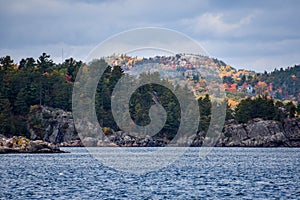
x=57 y=126
x=51 y=125
x=261 y=133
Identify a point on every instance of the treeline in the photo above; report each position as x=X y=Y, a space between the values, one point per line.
x=282 y=84
x=141 y=101
x=33 y=82
x=266 y=108
x=43 y=82
x=285 y=82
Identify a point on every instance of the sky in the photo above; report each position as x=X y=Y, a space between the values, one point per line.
x=256 y=35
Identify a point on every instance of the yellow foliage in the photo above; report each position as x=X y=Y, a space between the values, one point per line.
x=222 y=68
x=232 y=103
x=33 y=107
x=228 y=67
x=107 y=130
x=19 y=141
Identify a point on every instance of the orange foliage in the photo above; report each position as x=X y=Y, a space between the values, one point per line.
x=260 y=87
x=230 y=87
x=232 y=103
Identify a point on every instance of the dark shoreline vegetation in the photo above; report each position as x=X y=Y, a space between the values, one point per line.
x=36 y=100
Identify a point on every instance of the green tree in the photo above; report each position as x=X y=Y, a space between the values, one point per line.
x=243 y=79
x=280 y=114
x=27 y=64
x=243 y=111
x=291 y=109
x=103 y=96
x=20 y=105
x=116 y=73
x=44 y=63
x=72 y=67
x=6 y=63
x=205 y=113
x=228 y=79
x=6 y=124
x=261 y=107
x=229 y=111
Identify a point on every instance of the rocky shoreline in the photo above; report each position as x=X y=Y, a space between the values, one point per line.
x=57 y=126
x=261 y=133
x=255 y=133
x=19 y=144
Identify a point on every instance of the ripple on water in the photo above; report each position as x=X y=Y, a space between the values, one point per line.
x=226 y=173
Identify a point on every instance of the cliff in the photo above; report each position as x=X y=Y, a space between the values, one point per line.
x=261 y=133
x=52 y=125
x=57 y=126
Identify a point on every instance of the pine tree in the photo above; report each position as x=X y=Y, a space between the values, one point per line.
x=6 y=63
x=291 y=109
x=243 y=111
x=205 y=113
x=6 y=126
x=20 y=105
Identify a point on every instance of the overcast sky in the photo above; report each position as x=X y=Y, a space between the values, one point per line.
x=258 y=35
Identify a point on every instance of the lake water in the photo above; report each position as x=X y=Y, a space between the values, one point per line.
x=225 y=173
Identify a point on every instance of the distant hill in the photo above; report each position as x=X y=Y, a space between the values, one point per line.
x=283 y=84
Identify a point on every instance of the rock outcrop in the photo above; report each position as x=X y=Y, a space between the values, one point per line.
x=57 y=126
x=261 y=133
x=19 y=144
x=123 y=139
x=52 y=125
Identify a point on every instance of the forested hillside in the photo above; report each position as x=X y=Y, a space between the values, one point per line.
x=42 y=82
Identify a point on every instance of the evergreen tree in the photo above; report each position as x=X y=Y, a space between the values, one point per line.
x=280 y=114
x=229 y=112
x=205 y=113
x=44 y=63
x=27 y=64
x=6 y=124
x=72 y=67
x=291 y=109
x=20 y=105
x=243 y=111
x=6 y=63
x=261 y=107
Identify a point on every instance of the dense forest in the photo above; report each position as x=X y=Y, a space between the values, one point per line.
x=283 y=84
x=42 y=82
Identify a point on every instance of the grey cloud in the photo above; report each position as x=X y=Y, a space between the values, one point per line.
x=233 y=30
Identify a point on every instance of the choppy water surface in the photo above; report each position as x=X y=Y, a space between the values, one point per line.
x=225 y=173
